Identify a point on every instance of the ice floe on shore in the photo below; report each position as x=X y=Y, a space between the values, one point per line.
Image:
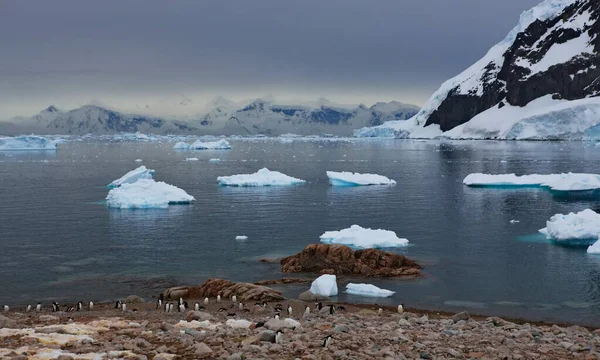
x=367 y=290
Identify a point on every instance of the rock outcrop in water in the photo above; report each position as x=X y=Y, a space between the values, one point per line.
x=340 y=259
x=225 y=288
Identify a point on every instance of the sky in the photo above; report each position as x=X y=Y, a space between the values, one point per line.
x=153 y=55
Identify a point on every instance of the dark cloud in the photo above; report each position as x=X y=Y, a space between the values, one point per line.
x=56 y=51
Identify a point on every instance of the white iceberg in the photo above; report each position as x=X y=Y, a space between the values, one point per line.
x=191 y=159
x=324 y=285
x=367 y=290
x=146 y=193
x=134 y=175
x=594 y=248
x=27 y=142
x=555 y=182
x=214 y=160
x=263 y=177
x=214 y=145
x=241 y=237
x=359 y=237
x=356 y=179
x=584 y=225
x=181 y=146
x=138 y=160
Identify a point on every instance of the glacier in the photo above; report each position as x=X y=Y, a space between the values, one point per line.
x=134 y=175
x=582 y=226
x=367 y=290
x=181 y=146
x=27 y=142
x=356 y=179
x=214 y=145
x=263 y=177
x=570 y=182
x=359 y=237
x=146 y=193
x=324 y=285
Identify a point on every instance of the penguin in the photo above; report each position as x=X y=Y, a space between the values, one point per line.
x=380 y=312
x=222 y=309
x=28 y=309
x=278 y=337
x=327 y=341
x=181 y=308
x=400 y=309
x=234 y=298
x=307 y=310
x=341 y=308
x=241 y=306
x=55 y=307
x=91 y=306
x=166 y=307
x=118 y=304
x=6 y=308
x=158 y=304
x=38 y=307
x=218 y=298
x=319 y=306
x=185 y=304
x=205 y=301
x=196 y=306
x=79 y=306
x=170 y=307
x=161 y=297
x=231 y=314
x=278 y=306
x=276 y=316
x=290 y=310
x=264 y=305
x=70 y=308
x=331 y=309
x=123 y=307
x=202 y=308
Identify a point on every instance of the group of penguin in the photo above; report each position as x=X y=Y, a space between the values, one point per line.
x=56 y=307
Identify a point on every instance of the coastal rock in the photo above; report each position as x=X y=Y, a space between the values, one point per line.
x=225 y=288
x=198 y=315
x=267 y=335
x=202 y=349
x=284 y=281
x=340 y=259
x=461 y=316
x=134 y=299
x=6 y=322
x=309 y=296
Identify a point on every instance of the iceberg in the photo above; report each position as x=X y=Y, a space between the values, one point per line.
x=324 y=285
x=214 y=145
x=359 y=237
x=367 y=290
x=191 y=159
x=134 y=175
x=146 y=193
x=594 y=248
x=241 y=237
x=263 y=177
x=214 y=160
x=583 y=226
x=27 y=142
x=181 y=146
x=356 y=179
x=555 y=182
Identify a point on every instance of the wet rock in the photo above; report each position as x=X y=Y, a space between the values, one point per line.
x=134 y=299
x=461 y=316
x=267 y=335
x=341 y=328
x=284 y=280
x=225 y=288
x=308 y=296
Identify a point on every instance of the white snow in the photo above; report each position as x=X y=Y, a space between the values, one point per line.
x=367 y=290
x=560 y=53
x=360 y=237
x=241 y=237
x=263 y=177
x=584 y=225
x=556 y=182
x=594 y=248
x=356 y=179
x=146 y=193
x=324 y=285
x=27 y=142
x=134 y=175
x=181 y=146
x=213 y=145
x=191 y=159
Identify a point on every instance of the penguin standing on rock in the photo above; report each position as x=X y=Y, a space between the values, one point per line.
x=181 y=308
x=331 y=309
x=55 y=307
x=91 y=306
x=170 y=307
x=38 y=307
x=276 y=316
x=180 y=302
x=159 y=304
x=6 y=308
x=327 y=341
x=319 y=306
x=205 y=301
x=290 y=310
x=196 y=306
x=234 y=298
x=28 y=309
x=278 y=337
x=307 y=310
x=218 y=298
x=380 y=312
x=123 y=307
x=79 y=306
x=241 y=306
x=400 y=309
x=118 y=304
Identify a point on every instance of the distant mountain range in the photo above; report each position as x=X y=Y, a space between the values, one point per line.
x=224 y=117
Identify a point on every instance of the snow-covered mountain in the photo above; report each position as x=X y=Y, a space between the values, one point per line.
x=223 y=117
x=540 y=82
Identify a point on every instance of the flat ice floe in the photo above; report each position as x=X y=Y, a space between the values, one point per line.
x=555 y=182
x=324 y=285
x=367 y=290
x=212 y=145
x=27 y=142
x=356 y=179
x=146 y=193
x=134 y=175
x=584 y=225
x=263 y=177
x=359 y=237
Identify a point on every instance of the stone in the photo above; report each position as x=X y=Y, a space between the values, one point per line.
x=278 y=324
x=236 y=356
x=461 y=316
x=254 y=339
x=48 y=318
x=454 y=353
x=134 y=299
x=6 y=322
x=202 y=349
x=267 y=335
x=225 y=288
x=198 y=315
x=65 y=357
x=309 y=296
x=340 y=259
x=341 y=328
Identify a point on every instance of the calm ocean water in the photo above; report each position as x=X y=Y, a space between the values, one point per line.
x=59 y=241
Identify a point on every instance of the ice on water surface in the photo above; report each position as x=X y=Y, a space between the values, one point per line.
x=555 y=182
x=367 y=290
x=213 y=145
x=324 y=285
x=134 y=175
x=359 y=237
x=146 y=193
x=27 y=142
x=584 y=225
x=356 y=179
x=263 y=177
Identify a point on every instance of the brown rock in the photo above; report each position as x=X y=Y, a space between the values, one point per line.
x=340 y=259
x=225 y=288
x=284 y=281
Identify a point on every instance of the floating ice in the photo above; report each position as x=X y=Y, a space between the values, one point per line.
x=367 y=290
x=513 y=221
x=356 y=179
x=214 y=145
x=594 y=248
x=324 y=285
x=555 y=182
x=241 y=237
x=214 y=160
x=138 y=160
x=146 y=193
x=360 y=237
x=134 y=175
x=584 y=225
x=263 y=177
x=191 y=159
x=181 y=146
x=27 y=142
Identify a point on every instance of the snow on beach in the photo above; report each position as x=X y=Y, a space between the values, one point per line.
x=263 y=177
x=359 y=237
x=367 y=290
x=356 y=179
x=134 y=175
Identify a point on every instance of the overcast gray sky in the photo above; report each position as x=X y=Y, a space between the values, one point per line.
x=135 y=52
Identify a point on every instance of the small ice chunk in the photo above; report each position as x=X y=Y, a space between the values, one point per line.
x=181 y=146
x=263 y=177
x=138 y=160
x=556 y=182
x=367 y=290
x=146 y=193
x=324 y=285
x=359 y=237
x=134 y=175
x=356 y=179
x=513 y=221
x=584 y=225
x=191 y=159
x=214 y=145
x=214 y=160
x=241 y=237
x=27 y=142
x=594 y=248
